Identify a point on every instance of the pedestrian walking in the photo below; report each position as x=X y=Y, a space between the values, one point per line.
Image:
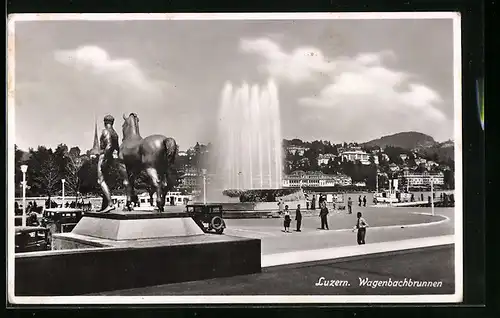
x=323 y=214
x=287 y=219
x=349 y=206
x=313 y=202
x=364 y=201
x=298 y=218
x=361 y=226
x=360 y=201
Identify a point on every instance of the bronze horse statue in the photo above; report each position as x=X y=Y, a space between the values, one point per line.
x=154 y=154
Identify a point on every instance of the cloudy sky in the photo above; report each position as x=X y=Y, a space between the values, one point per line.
x=338 y=80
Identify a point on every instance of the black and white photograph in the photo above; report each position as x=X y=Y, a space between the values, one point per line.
x=234 y=158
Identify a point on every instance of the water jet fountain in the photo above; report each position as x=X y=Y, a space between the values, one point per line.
x=249 y=139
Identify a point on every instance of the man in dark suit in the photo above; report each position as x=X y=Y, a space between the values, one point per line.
x=323 y=214
x=298 y=217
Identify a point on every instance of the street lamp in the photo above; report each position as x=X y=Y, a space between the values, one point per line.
x=24 y=169
x=204 y=172
x=432 y=194
x=63 y=182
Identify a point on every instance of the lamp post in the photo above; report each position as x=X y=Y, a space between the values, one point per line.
x=24 y=169
x=63 y=182
x=432 y=195
x=204 y=172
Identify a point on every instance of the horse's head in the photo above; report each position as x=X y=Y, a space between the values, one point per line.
x=130 y=125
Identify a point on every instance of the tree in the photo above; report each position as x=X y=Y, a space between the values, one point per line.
x=372 y=160
x=75 y=152
x=383 y=163
x=44 y=173
x=421 y=168
x=87 y=177
x=73 y=164
x=18 y=175
x=411 y=161
x=449 y=179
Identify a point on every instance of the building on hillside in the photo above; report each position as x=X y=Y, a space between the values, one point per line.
x=315 y=179
x=375 y=160
x=403 y=156
x=191 y=179
x=394 y=167
x=360 y=184
x=182 y=153
x=419 y=161
x=410 y=179
x=355 y=154
x=431 y=164
x=296 y=150
x=323 y=159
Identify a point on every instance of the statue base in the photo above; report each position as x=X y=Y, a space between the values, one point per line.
x=134 y=225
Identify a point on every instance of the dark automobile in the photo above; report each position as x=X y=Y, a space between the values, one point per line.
x=61 y=220
x=32 y=239
x=207 y=216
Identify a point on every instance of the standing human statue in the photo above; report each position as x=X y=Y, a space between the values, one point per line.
x=108 y=153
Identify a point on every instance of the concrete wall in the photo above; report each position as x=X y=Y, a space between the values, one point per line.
x=77 y=272
x=65 y=244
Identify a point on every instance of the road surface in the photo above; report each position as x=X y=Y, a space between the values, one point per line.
x=433 y=265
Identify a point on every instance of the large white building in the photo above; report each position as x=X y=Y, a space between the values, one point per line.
x=296 y=150
x=323 y=159
x=191 y=179
x=420 y=180
x=357 y=154
x=315 y=179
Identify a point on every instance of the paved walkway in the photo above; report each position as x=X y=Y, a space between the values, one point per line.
x=332 y=253
x=386 y=225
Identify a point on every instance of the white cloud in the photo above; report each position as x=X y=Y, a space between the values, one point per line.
x=123 y=73
x=362 y=92
x=303 y=64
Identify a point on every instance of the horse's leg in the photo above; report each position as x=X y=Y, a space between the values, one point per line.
x=156 y=183
x=165 y=190
x=151 y=200
x=128 y=188
x=133 y=196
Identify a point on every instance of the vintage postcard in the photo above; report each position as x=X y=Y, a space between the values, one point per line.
x=234 y=158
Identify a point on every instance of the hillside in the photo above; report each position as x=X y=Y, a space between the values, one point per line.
x=406 y=140
x=443 y=151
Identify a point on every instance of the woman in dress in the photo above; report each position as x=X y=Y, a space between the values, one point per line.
x=287 y=220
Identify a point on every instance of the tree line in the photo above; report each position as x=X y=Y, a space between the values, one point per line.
x=47 y=167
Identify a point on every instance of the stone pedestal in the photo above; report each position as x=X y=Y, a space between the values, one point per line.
x=126 y=228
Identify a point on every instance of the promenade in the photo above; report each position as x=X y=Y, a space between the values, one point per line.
x=401 y=243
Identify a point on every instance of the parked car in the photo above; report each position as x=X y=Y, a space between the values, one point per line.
x=32 y=239
x=207 y=216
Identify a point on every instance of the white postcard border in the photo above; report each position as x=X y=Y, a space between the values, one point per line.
x=285 y=299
